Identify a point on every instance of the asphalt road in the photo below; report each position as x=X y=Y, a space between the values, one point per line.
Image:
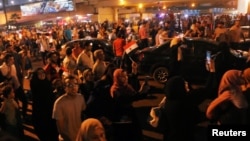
x=142 y=108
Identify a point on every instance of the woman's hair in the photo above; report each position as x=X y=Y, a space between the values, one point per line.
x=84 y=74
x=68 y=78
x=175 y=88
x=97 y=52
x=68 y=51
x=7 y=57
x=7 y=90
x=35 y=73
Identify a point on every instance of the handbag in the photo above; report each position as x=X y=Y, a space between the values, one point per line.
x=156 y=112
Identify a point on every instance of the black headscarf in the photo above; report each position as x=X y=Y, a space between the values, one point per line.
x=175 y=88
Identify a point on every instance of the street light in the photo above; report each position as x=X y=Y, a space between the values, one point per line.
x=140 y=8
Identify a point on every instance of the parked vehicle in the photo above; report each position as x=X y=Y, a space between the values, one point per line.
x=97 y=44
x=155 y=61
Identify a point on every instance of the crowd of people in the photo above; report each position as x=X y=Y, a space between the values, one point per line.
x=81 y=97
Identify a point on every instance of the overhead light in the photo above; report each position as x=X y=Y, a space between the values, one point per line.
x=193 y=5
x=140 y=5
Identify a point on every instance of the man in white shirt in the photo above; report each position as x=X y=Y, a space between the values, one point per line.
x=68 y=110
x=85 y=59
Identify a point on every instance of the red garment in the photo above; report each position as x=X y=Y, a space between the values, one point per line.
x=52 y=73
x=118 y=45
x=143 y=32
x=76 y=51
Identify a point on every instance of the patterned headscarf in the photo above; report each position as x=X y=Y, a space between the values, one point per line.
x=89 y=125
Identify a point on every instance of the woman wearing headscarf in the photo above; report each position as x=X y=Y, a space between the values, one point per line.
x=88 y=83
x=42 y=106
x=91 y=130
x=231 y=104
x=124 y=95
x=100 y=104
x=180 y=114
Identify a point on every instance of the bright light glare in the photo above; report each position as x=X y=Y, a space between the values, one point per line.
x=122 y=2
x=193 y=4
x=140 y=5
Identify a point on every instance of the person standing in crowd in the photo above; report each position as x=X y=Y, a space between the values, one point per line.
x=102 y=33
x=67 y=34
x=143 y=35
x=99 y=65
x=118 y=49
x=219 y=30
x=69 y=63
x=76 y=50
x=87 y=84
x=26 y=61
x=179 y=115
x=236 y=32
x=124 y=95
x=121 y=30
x=91 y=130
x=9 y=71
x=10 y=109
x=17 y=61
x=42 y=106
x=81 y=33
x=85 y=59
x=153 y=34
x=53 y=69
x=44 y=46
x=68 y=110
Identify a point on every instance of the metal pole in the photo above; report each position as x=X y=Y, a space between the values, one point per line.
x=5 y=14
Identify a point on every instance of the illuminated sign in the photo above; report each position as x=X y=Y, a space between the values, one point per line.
x=46 y=7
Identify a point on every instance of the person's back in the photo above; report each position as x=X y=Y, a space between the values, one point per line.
x=179 y=115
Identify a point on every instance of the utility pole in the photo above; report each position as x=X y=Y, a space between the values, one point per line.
x=5 y=13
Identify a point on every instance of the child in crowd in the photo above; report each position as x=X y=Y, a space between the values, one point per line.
x=10 y=109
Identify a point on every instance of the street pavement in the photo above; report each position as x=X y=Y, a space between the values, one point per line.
x=142 y=108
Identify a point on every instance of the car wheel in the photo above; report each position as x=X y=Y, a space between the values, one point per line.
x=161 y=74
